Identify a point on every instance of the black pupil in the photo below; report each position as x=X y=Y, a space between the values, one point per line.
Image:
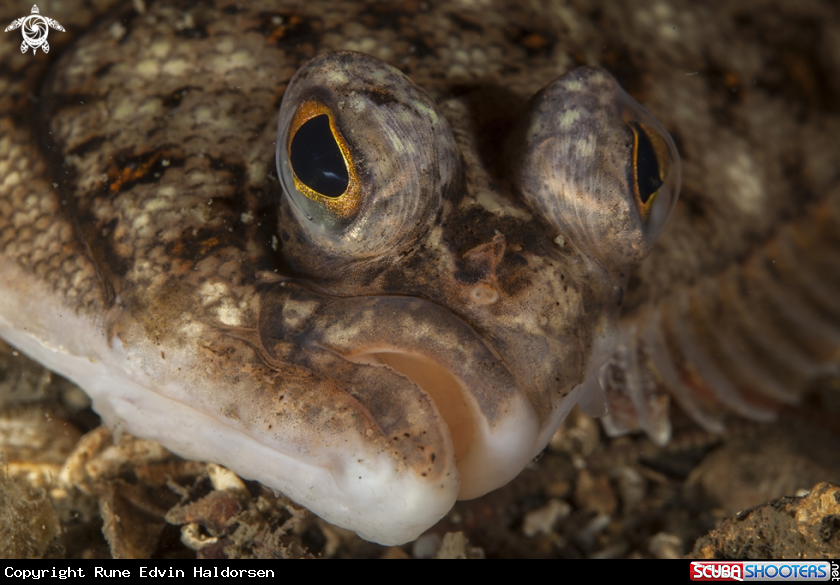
x=647 y=166
x=316 y=158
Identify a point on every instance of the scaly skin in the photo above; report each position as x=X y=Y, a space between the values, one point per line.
x=139 y=219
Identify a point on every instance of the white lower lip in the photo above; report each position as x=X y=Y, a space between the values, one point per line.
x=487 y=456
x=400 y=511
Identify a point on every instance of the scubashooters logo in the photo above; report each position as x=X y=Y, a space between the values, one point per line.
x=763 y=571
x=35 y=30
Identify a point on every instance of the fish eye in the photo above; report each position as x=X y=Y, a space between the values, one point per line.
x=647 y=178
x=365 y=159
x=650 y=166
x=597 y=166
x=317 y=164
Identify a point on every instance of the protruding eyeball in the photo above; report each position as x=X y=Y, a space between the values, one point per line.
x=365 y=158
x=597 y=166
x=316 y=167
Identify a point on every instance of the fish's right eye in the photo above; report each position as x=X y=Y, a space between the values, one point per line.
x=364 y=156
x=317 y=160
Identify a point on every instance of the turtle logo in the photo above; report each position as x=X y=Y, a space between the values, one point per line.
x=35 y=29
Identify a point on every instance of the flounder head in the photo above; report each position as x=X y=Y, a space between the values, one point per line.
x=403 y=319
x=462 y=311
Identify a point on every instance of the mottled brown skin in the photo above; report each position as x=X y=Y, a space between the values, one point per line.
x=144 y=171
x=207 y=147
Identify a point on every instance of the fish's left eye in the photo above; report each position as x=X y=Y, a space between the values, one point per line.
x=647 y=176
x=652 y=156
x=597 y=166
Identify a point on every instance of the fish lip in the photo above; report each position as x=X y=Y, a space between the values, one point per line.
x=390 y=507
x=505 y=425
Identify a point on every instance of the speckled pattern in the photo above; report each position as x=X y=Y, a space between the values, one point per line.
x=804 y=528
x=99 y=214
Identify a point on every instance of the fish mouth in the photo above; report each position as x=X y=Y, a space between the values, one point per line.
x=435 y=380
x=318 y=404
x=490 y=426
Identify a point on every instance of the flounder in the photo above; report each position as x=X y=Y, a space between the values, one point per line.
x=451 y=255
